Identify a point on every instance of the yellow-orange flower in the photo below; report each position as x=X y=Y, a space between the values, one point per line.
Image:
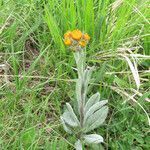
x=82 y=43
x=67 y=42
x=76 y=40
x=86 y=37
x=67 y=34
x=76 y=34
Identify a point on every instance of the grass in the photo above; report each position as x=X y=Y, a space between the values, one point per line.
x=36 y=70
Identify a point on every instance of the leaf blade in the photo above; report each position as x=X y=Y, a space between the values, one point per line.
x=95 y=108
x=96 y=119
x=93 y=138
x=78 y=145
x=92 y=100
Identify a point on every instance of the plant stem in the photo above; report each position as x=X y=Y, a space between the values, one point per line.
x=81 y=68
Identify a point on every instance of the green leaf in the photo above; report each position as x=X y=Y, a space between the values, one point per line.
x=54 y=29
x=121 y=83
x=93 y=138
x=145 y=96
x=89 y=17
x=28 y=137
x=96 y=147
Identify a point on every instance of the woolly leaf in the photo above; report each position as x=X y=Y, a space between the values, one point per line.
x=87 y=77
x=96 y=119
x=85 y=82
x=93 y=99
x=80 y=61
x=93 y=139
x=94 y=108
x=72 y=114
x=68 y=119
x=78 y=145
x=78 y=90
x=65 y=126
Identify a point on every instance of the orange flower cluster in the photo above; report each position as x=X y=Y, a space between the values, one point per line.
x=76 y=39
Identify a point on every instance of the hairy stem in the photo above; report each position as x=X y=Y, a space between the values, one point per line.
x=81 y=68
x=82 y=105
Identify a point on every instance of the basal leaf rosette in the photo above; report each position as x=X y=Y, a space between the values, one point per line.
x=76 y=40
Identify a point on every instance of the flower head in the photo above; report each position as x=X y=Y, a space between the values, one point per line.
x=82 y=43
x=76 y=34
x=67 y=42
x=86 y=37
x=76 y=40
x=67 y=34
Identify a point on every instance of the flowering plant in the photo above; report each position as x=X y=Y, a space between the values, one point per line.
x=90 y=112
